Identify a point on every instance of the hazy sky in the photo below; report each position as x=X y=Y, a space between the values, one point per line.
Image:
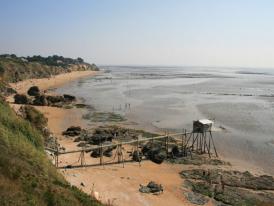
x=144 y=32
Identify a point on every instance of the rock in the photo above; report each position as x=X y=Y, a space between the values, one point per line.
x=81 y=144
x=34 y=91
x=72 y=131
x=151 y=146
x=154 y=152
x=82 y=184
x=231 y=187
x=158 y=157
x=79 y=139
x=21 y=99
x=239 y=196
x=107 y=151
x=95 y=153
x=69 y=98
x=53 y=100
x=196 y=198
x=232 y=178
x=195 y=159
x=151 y=187
x=175 y=151
x=40 y=100
x=100 y=138
x=155 y=187
x=144 y=189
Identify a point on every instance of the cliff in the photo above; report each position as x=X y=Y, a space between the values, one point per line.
x=13 y=68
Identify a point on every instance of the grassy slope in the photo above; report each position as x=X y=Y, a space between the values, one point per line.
x=26 y=175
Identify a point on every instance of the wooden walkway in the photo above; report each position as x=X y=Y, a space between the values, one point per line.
x=187 y=142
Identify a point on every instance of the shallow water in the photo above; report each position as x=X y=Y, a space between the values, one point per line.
x=160 y=98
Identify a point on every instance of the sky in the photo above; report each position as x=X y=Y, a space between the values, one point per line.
x=231 y=33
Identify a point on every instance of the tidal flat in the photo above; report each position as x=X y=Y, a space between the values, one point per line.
x=159 y=99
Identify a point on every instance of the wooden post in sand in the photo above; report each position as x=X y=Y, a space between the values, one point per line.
x=184 y=143
x=119 y=153
x=137 y=149
x=82 y=158
x=101 y=154
x=56 y=154
x=166 y=144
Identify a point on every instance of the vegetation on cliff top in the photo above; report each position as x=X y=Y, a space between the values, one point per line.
x=26 y=175
x=13 y=68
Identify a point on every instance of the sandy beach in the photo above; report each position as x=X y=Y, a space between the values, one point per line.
x=51 y=83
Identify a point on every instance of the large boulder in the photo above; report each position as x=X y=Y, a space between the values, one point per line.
x=21 y=99
x=34 y=91
x=157 y=156
x=154 y=152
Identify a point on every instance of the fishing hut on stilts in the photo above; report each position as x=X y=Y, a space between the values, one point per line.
x=200 y=139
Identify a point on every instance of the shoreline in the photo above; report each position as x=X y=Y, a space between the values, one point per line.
x=52 y=82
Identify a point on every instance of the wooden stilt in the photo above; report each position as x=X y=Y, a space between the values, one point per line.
x=213 y=144
x=207 y=147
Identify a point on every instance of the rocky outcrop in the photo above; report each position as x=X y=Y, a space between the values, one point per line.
x=231 y=187
x=73 y=131
x=39 y=99
x=232 y=178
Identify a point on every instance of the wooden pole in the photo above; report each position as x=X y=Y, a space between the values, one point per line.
x=213 y=144
x=182 y=145
x=137 y=150
x=101 y=154
x=57 y=153
x=166 y=145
